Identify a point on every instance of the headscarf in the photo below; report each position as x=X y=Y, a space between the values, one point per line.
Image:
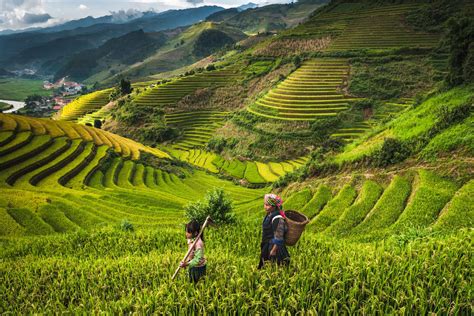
x=275 y=201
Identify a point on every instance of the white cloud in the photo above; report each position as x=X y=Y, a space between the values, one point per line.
x=21 y=13
x=83 y=7
x=123 y=16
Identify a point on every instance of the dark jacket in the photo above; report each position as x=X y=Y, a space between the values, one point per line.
x=273 y=233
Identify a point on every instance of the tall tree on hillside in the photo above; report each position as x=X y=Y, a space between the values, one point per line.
x=125 y=86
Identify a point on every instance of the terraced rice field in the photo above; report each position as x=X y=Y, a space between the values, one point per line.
x=392 y=108
x=309 y=93
x=19 y=131
x=100 y=114
x=377 y=28
x=83 y=105
x=357 y=129
x=171 y=92
x=354 y=131
x=416 y=201
x=197 y=127
x=440 y=63
x=253 y=172
x=72 y=182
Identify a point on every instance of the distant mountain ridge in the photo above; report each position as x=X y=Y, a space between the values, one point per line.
x=34 y=48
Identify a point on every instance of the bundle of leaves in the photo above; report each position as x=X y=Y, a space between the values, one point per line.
x=216 y=204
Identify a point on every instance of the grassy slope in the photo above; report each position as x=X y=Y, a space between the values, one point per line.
x=415 y=122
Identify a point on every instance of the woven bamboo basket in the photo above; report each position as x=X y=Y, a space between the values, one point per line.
x=296 y=224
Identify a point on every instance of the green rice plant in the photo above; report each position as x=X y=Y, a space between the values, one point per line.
x=265 y=171
x=430 y=197
x=138 y=179
x=32 y=223
x=252 y=175
x=8 y=225
x=334 y=208
x=318 y=201
x=125 y=174
x=298 y=200
x=21 y=139
x=354 y=214
x=457 y=137
x=388 y=208
x=235 y=168
x=36 y=145
x=55 y=218
x=6 y=137
x=95 y=270
x=459 y=212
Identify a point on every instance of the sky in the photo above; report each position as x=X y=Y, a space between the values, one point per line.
x=19 y=14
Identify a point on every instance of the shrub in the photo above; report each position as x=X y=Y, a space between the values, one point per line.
x=219 y=143
x=448 y=116
x=432 y=17
x=322 y=128
x=215 y=204
x=126 y=226
x=210 y=67
x=392 y=151
x=366 y=104
x=297 y=61
x=155 y=133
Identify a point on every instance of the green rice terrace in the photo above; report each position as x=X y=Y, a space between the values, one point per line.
x=350 y=26
x=310 y=92
x=359 y=116
x=174 y=90
x=197 y=126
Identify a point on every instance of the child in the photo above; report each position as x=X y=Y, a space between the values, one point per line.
x=196 y=260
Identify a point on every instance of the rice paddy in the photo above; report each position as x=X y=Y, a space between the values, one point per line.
x=312 y=91
x=254 y=172
x=83 y=105
x=171 y=92
x=197 y=127
x=28 y=128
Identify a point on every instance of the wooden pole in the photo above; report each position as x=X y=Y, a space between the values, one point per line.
x=192 y=246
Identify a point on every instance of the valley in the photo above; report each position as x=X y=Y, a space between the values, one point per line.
x=357 y=113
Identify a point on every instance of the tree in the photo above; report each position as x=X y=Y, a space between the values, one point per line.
x=459 y=38
x=125 y=87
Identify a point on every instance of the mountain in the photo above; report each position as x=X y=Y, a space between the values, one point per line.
x=272 y=17
x=249 y=5
x=115 y=53
x=28 y=45
x=5 y=73
x=184 y=48
x=223 y=15
x=116 y=18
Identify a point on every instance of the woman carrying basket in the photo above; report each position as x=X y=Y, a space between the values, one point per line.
x=274 y=229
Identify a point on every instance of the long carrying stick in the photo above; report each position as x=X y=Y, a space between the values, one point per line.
x=192 y=247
